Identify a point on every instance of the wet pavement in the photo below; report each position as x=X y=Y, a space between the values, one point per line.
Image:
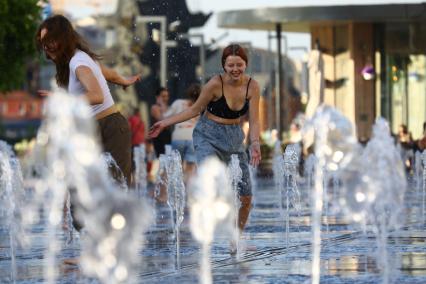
x=348 y=254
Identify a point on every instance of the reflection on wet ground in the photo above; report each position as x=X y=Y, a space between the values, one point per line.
x=348 y=255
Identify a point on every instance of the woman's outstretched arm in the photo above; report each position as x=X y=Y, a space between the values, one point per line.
x=206 y=95
x=112 y=76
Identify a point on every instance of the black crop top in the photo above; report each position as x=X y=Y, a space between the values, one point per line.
x=221 y=109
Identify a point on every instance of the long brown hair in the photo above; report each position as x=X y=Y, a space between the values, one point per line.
x=62 y=40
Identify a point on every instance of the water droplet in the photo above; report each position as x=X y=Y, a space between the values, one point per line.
x=118 y=222
x=360 y=197
x=121 y=273
x=110 y=260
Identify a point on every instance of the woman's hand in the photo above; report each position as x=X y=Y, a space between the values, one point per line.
x=43 y=93
x=255 y=155
x=130 y=81
x=113 y=77
x=156 y=129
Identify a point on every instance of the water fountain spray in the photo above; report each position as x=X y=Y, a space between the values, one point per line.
x=11 y=196
x=334 y=143
x=236 y=175
x=278 y=170
x=309 y=169
x=72 y=161
x=374 y=185
x=161 y=180
x=211 y=203
x=253 y=181
x=176 y=196
x=140 y=174
x=112 y=166
x=291 y=189
x=170 y=179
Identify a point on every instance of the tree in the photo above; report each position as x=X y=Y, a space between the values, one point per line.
x=19 y=20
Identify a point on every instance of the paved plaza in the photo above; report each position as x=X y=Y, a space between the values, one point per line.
x=348 y=255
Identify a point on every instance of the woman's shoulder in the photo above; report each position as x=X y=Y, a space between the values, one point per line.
x=254 y=84
x=213 y=86
x=253 y=88
x=215 y=81
x=252 y=80
x=81 y=56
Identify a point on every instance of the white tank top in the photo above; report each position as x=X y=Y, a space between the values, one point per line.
x=81 y=58
x=182 y=130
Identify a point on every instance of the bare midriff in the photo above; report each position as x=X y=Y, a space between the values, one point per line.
x=112 y=109
x=222 y=120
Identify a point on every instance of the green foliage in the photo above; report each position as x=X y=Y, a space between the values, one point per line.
x=18 y=24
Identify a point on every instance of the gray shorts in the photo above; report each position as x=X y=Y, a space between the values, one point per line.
x=214 y=139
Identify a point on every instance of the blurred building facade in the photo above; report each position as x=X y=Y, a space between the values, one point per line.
x=20 y=115
x=374 y=56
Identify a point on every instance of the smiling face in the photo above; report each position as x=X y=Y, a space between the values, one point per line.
x=235 y=67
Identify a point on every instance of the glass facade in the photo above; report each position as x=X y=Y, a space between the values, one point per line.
x=403 y=99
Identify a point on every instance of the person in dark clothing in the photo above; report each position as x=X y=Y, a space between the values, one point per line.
x=165 y=138
x=157 y=114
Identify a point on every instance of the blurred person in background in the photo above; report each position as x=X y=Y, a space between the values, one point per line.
x=165 y=138
x=182 y=133
x=137 y=128
x=421 y=143
x=405 y=139
x=157 y=113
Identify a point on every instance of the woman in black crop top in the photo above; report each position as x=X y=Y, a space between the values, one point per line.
x=224 y=100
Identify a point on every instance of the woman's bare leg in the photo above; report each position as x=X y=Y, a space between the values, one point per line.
x=244 y=211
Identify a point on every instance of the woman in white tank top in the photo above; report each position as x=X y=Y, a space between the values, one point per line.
x=78 y=71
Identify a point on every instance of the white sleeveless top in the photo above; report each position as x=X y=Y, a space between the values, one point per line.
x=182 y=130
x=81 y=58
